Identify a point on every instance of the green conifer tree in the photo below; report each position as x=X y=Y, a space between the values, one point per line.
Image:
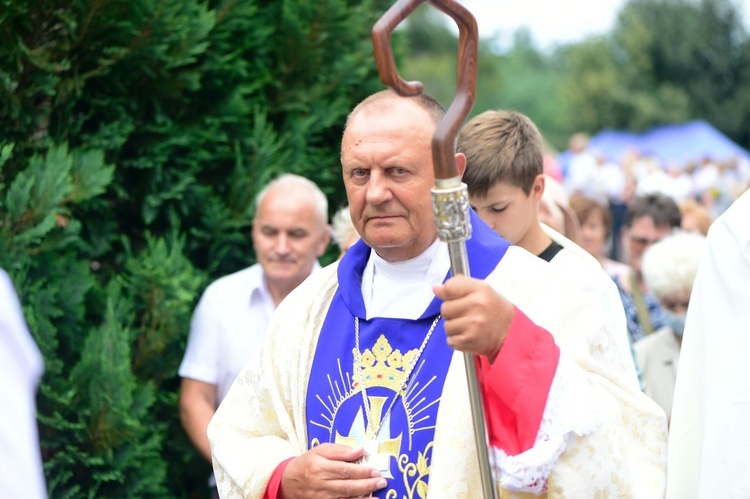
x=135 y=136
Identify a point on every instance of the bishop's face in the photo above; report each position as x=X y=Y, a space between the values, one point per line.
x=386 y=157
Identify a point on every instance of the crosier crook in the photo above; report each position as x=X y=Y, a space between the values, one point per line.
x=450 y=196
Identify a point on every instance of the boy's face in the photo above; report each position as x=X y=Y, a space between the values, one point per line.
x=508 y=210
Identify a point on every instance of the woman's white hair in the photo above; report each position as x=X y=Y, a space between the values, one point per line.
x=290 y=179
x=669 y=266
x=342 y=227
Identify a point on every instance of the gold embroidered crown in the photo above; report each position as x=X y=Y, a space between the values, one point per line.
x=383 y=366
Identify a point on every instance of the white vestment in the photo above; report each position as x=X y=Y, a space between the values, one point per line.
x=262 y=421
x=709 y=442
x=578 y=268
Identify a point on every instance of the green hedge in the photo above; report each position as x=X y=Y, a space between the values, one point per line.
x=135 y=136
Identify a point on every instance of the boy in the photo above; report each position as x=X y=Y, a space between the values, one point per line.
x=505 y=181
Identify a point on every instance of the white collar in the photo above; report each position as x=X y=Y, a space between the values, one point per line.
x=404 y=288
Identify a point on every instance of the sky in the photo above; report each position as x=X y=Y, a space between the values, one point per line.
x=552 y=22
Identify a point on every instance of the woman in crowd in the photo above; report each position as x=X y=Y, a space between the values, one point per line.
x=695 y=217
x=595 y=229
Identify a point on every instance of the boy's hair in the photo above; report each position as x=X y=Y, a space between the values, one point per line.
x=500 y=146
x=660 y=208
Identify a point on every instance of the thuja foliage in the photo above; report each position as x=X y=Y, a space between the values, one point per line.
x=135 y=135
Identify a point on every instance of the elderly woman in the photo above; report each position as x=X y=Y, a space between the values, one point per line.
x=669 y=268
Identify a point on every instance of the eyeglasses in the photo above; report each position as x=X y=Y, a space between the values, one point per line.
x=643 y=241
x=675 y=305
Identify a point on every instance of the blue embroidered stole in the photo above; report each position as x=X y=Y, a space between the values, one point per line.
x=335 y=410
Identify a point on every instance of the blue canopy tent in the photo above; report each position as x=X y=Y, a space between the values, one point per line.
x=690 y=142
x=614 y=144
x=677 y=145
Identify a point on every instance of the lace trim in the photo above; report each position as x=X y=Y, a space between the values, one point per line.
x=563 y=415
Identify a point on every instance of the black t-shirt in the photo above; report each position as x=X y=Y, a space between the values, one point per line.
x=549 y=253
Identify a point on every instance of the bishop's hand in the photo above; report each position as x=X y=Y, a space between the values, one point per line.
x=477 y=318
x=329 y=471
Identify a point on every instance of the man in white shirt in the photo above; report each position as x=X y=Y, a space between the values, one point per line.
x=289 y=233
x=21 y=368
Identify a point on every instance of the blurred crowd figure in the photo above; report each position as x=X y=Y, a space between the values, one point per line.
x=556 y=212
x=669 y=269
x=595 y=222
x=695 y=217
x=21 y=369
x=343 y=232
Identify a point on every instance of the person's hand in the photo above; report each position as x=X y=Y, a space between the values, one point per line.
x=477 y=317
x=328 y=471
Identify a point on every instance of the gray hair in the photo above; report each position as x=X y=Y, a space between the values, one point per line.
x=288 y=180
x=342 y=227
x=670 y=265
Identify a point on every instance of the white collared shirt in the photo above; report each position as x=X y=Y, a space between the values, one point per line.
x=228 y=327
x=403 y=290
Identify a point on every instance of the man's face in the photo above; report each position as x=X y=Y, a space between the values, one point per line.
x=288 y=235
x=509 y=210
x=387 y=166
x=641 y=235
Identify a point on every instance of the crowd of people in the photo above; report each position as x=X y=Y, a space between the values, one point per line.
x=640 y=212
x=712 y=182
x=348 y=380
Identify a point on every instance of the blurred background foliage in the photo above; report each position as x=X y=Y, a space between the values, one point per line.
x=136 y=134
x=665 y=61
